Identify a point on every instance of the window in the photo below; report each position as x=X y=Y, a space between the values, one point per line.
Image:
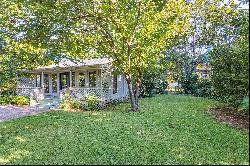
x=92 y=79
x=82 y=79
x=46 y=83
x=54 y=83
x=64 y=80
x=38 y=80
x=115 y=88
x=73 y=79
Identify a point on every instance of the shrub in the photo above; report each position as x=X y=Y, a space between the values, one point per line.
x=91 y=102
x=7 y=92
x=20 y=100
x=153 y=83
x=7 y=83
x=203 y=88
x=189 y=83
x=88 y=103
x=192 y=85
x=244 y=106
x=15 y=100
x=230 y=76
x=69 y=103
x=4 y=99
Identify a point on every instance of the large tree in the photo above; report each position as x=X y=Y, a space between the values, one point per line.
x=133 y=33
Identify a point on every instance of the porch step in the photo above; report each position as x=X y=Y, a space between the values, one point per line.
x=50 y=97
x=49 y=102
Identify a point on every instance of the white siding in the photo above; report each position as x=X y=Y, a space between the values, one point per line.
x=122 y=88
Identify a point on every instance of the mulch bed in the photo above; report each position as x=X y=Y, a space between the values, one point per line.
x=227 y=116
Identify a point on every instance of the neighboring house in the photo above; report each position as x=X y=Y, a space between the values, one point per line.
x=203 y=70
x=75 y=78
x=174 y=87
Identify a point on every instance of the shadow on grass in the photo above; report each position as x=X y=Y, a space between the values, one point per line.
x=13 y=154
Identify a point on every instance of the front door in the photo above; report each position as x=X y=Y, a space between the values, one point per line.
x=50 y=84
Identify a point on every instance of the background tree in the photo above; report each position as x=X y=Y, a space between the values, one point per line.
x=16 y=53
x=230 y=66
x=211 y=25
x=154 y=80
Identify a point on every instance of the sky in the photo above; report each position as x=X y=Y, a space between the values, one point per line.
x=245 y=6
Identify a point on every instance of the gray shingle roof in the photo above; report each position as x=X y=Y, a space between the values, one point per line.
x=67 y=63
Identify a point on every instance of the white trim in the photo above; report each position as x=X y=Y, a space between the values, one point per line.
x=76 y=79
x=67 y=69
x=70 y=78
x=42 y=80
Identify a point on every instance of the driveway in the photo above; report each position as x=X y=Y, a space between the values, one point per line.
x=9 y=112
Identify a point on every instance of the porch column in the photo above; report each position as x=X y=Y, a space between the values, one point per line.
x=70 y=79
x=100 y=75
x=35 y=78
x=58 y=82
x=42 y=82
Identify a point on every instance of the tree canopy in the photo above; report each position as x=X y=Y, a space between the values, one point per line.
x=133 y=33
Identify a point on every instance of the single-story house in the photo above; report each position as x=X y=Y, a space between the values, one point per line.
x=76 y=78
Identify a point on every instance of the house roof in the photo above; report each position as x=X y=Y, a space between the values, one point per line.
x=68 y=63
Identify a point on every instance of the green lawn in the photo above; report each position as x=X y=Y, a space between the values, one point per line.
x=168 y=130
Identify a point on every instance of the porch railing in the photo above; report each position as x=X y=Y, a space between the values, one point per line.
x=24 y=91
x=36 y=93
x=79 y=93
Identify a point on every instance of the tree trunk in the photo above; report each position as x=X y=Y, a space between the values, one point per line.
x=133 y=95
x=137 y=91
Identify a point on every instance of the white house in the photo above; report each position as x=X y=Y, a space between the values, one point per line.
x=77 y=78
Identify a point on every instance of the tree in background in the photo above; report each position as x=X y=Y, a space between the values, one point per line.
x=212 y=25
x=15 y=54
x=154 y=80
x=230 y=66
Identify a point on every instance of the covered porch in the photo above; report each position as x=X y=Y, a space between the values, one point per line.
x=72 y=79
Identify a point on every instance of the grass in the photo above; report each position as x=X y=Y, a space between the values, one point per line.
x=169 y=130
